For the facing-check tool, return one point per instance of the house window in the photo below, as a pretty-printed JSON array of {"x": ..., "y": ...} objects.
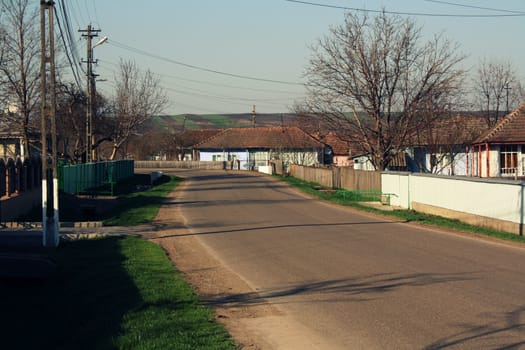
[
  {"x": 508, "y": 159},
  {"x": 216, "y": 158}
]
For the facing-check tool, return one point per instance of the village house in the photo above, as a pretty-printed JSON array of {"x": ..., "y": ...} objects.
[
  {"x": 439, "y": 148},
  {"x": 11, "y": 145},
  {"x": 251, "y": 148},
  {"x": 343, "y": 151},
  {"x": 500, "y": 151},
  {"x": 190, "y": 137}
]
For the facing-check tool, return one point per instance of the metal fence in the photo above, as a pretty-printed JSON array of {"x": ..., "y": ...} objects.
[{"x": 83, "y": 178}]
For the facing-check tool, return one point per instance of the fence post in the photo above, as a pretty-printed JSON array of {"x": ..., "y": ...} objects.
[
  {"x": 19, "y": 186},
  {"x": 522, "y": 203},
  {"x": 3, "y": 178},
  {"x": 10, "y": 172}
]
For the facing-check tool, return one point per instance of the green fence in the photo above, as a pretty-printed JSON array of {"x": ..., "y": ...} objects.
[{"x": 86, "y": 178}]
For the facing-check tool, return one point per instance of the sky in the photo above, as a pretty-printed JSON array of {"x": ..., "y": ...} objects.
[{"x": 225, "y": 56}]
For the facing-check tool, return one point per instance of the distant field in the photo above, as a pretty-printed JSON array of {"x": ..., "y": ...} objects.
[{"x": 218, "y": 121}]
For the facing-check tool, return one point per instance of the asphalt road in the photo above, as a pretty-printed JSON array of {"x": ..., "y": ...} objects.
[{"x": 361, "y": 281}]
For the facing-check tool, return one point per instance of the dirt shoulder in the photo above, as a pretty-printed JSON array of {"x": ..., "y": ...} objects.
[
  {"x": 217, "y": 285},
  {"x": 252, "y": 322}
]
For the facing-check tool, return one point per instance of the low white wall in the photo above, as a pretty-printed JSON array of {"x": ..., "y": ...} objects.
[
  {"x": 395, "y": 185},
  {"x": 488, "y": 198},
  {"x": 265, "y": 169}
]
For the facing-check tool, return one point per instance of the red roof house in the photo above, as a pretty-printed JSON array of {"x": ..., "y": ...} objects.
[
  {"x": 500, "y": 151},
  {"x": 254, "y": 147}
]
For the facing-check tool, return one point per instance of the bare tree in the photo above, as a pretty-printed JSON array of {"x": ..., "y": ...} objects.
[
  {"x": 71, "y": 116},
  {"x": 155, "y": 143},
  {"x": 437, "y": 146},
  {"x": 497, "y": 89},
  {"x": 20, "y": 71},
  {"x": 139, "y": 97},
  {"x": 372, "y": 80}
]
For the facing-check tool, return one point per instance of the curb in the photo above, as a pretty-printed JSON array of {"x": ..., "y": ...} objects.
[{"x": 38, "y": 225}]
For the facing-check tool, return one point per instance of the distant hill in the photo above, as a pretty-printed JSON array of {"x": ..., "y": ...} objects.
[
  {"x": 218, "y": 121},
  {"x": 244, "y": 120}
]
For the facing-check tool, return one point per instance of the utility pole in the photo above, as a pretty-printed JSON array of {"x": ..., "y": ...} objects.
[
  {"x": 90, "y": 34},
  {"x": 507, "y": 88},
  {"x": 50, "y": 220},
  {"x": 254, "y": 114}
]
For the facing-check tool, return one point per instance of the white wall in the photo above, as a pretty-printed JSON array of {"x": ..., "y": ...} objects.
[
  {"x": 459, "y": 166},
  {"x": 497, "y": 199},
  {"x": 363, "y": 163},
  {"x": 396, "y": 186},
  {"x": 300, "y": 157},
  {"x": 265, "y": 169},
  {"x": 242, "y": 156}
]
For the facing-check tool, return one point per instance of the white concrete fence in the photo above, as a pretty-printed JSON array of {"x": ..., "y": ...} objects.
[{"x": 493, "y": 203}]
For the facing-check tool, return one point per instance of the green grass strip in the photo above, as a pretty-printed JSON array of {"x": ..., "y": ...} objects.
[
  {"x": 347, "y": 198},
  {"x": 141, "y": 207},
  {"x": 109, "y": 293}
]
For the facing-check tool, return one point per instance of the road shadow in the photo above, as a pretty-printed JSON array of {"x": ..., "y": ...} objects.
[
  {"x": 228, "y": 202},
  {"x": 357, "y": 289},
  {"x": 264, "y": 228},
  {"x": 229, "y": 186},
  {"x": 221, "y": 176},
  {"x": 505, "y": 330}
]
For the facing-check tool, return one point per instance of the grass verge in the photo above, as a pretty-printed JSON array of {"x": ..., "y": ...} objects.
[
  {"x": 141, "y": 207},
  {"x": 131, "y": 207},
  {"x": 353, "y": 200},
  {"x": 109, "y": 293}
]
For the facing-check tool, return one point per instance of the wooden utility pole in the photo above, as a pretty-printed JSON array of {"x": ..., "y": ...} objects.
[
  {"x": 254, "y": 114},
  {"x": 90, "y": 34},
  {"x": 50, "y": 220},
  {"x": 507, "y": 88}
]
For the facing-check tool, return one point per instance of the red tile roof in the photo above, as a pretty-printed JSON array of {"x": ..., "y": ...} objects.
[
  {"x": 339, "y": 147},
  {"x": 192, "y": 137},
  {"x": 266, "y": 138},
  {"x": 459, "y": 129},
  {"x": 510, "y": 129}
]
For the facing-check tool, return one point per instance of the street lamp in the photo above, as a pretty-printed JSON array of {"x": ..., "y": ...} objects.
[{"x": 101, "y": 41}]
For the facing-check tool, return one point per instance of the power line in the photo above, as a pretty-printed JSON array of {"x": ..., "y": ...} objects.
[
  {"x": 244, "y": 88},
  {"x": 193, "y": 107},
  {"x": 222, "y": 97},
  {"x": 87, "y": 9},
  {"x": 71, "y": 36},
  {"x": 240, "y": 76},
  {"x": 217, "y": 99},
  {"x": 475, "y": 7},
  {"x": 95, "y": 9},
  {"x": 208, "y": 95},
  {"x": 226, "y": 85},
  {"x": 77, "y": 13},
  {"x": 520, "y": 14},
  {"x": 69, "y": 52}
]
